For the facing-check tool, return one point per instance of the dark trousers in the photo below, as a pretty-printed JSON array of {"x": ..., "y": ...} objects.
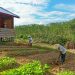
[
  {"x": 30, "y": 44},
  {"x": 62, "y": 56}
]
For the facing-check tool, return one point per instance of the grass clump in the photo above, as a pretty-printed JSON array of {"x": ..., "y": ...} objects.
[{"x": 66, "y": 73}]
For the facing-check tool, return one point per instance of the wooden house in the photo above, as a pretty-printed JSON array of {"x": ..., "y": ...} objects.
[{"x": 6, "y": 24}]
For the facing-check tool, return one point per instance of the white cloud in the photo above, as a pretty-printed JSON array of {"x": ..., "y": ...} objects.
[
  {"x": 55, "y": 16},
  {"x": 52, "y": 13},
  {"x": 36, "y": 2},
  {"x": 65, "y": 7},
  {"x": 27, "y": 9}
]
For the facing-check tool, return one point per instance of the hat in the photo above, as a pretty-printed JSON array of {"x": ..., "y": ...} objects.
[{"x": 57, "y": 45}]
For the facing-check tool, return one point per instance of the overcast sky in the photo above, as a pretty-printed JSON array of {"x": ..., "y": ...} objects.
[{"x": 40, "y": 11}]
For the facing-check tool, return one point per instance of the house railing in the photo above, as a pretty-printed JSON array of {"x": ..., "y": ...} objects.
[{"x": 5, "y": 32}]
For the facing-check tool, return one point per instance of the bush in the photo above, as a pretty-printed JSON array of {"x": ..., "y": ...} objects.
[
  {"x": 7, "y": 63},
  {"x": 34, "y": 68}
]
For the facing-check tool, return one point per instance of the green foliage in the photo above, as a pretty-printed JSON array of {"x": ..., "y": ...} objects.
[
  {"x": 66, "y": 73},
  {"x": 34, "y": 68},
  {"x": 51, "y": 33},
  {"x": 6, "y": 61}
]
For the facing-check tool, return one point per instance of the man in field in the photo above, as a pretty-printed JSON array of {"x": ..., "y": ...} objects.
[
  {"x": 30, "y": 40},
  {"x": 62, "y": 53}
]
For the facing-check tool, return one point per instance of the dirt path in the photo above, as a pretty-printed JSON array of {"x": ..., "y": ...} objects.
[{"x": 44, "y": 58}]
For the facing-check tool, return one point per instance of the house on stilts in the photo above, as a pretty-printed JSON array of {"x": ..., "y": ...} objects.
[{"x": 7, "y": 24}]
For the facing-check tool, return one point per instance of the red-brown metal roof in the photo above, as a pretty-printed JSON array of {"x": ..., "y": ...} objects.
[{"x": 4, "y": 11}]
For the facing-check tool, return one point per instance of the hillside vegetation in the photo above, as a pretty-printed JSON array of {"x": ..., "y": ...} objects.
[{"x": 51, "y": 33}]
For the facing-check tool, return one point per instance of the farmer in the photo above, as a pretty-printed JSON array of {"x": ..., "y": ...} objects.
[
  {"x": 30, "y": 40},
  {"x": 62, "y": 53}
]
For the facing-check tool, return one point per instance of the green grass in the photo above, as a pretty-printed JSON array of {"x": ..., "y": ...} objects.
[
  {"x": 35, "y": 49},
  {"x": 25, "y": 52},
  {"x": 66, "y": 73},
  {"x": 43, "y": 46}
]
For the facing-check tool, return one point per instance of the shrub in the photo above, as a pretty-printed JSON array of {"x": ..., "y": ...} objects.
[
  {"x": 7, "y": 62},
  {"x": 34, "y": 68}
]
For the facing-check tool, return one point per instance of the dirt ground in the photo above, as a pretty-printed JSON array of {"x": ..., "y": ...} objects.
[{"x": 49, "y": 58}]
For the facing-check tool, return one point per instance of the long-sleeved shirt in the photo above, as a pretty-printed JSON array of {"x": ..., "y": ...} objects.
[
  {"x": 62, "y": 49},
  {"x": 30, "y": 40}
]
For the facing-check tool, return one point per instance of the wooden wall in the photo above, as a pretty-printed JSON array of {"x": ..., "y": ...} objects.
[
  {"x": 9, "y": 23},
  {"x": 1, "y": 22}
]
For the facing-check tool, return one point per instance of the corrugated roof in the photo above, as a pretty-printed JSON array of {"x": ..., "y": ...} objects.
[{"x": 2, "y": 10}]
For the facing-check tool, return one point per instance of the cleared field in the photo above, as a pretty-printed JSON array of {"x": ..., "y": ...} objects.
[{"x": 44, "y": 53}]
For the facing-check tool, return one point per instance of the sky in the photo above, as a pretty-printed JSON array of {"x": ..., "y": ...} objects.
[{"x": 40, "y": 11}]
